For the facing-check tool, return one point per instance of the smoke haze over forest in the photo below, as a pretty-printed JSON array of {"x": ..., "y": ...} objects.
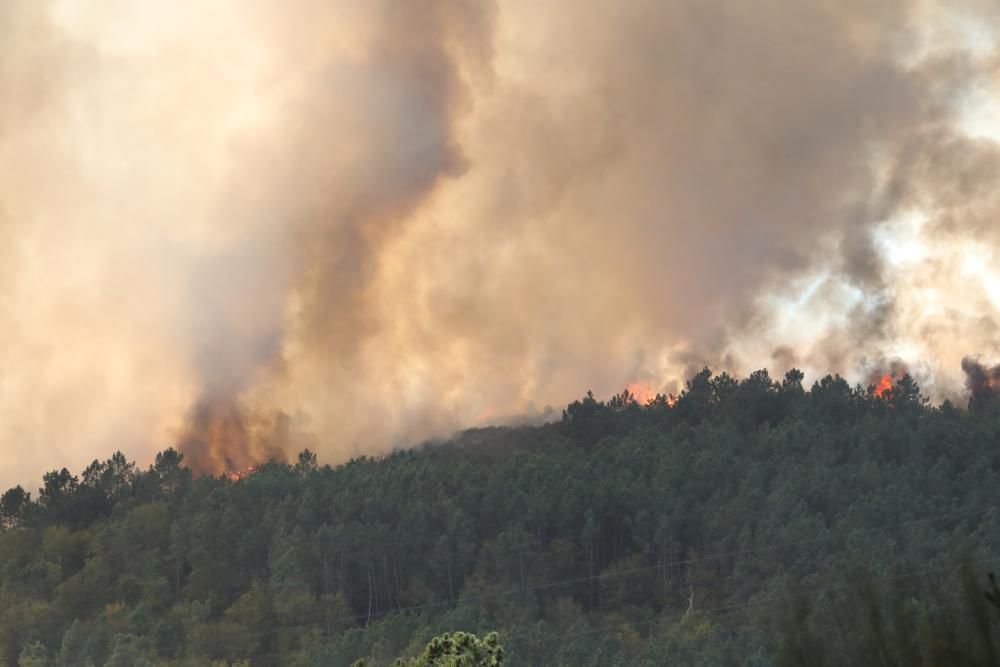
[{"x": 245, "y": 228}]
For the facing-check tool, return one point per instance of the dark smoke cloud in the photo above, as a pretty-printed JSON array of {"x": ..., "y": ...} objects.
[{"x": 983, "y": 382}]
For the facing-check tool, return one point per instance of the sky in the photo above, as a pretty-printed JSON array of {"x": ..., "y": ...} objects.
[{"x": 246, "y": 227}]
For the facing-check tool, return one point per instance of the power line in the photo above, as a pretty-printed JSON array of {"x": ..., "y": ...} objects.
[
  {"x": 772, "y": 599},
  {"x": 776, "y": 597},
  {"x": 622, "y": 573}
]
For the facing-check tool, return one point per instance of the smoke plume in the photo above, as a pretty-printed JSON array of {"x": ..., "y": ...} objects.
[
  {"x": 248, "y": 227},
  {"x": 983, "y": 382}
]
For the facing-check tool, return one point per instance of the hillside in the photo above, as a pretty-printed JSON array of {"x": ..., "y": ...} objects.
[{"x": 676, "y": 532}]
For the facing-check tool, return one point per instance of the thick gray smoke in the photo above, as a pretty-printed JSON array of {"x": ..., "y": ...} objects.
[
  {"x": 249, "y": 227},
  {"x": 361, "y": 144}
]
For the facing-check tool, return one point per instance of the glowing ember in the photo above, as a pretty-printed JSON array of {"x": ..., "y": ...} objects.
[
  {"x": 236, "y": 475},
  {"x": 884, "y": 386},
  {"x": 641, "y": 392}
]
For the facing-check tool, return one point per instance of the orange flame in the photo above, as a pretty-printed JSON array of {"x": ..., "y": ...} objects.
[
  {"x": 884, "y": 386},
  {"x": 644, "y": 394},
  {"x": 237, "y": 475},
  {"x": 483, "y": 416},
  {"x": 641, "y": 392}
]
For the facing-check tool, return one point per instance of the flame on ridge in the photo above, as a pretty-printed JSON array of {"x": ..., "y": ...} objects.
[
  {"x": 884, "y": 386},
  {"x": 236, "y": 475},
  {"x": 641, "y": 392}
]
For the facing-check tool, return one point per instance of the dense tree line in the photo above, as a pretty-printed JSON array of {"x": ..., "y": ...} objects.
[{"x": 676, "y": 532}]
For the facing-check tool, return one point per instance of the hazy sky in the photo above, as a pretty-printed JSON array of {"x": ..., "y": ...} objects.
[{"x": 258, "y": 226}]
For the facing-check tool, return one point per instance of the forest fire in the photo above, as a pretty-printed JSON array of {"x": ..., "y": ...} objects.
[
  {"x": 223, "y": 438},
  {"x": 884, "y": 387},
  {"x": 216, "y": 439},
  {"x": 641, "y": 392},
  {"x": 236, "y": 475}
]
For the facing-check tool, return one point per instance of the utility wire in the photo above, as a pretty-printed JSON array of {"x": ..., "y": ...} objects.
[
  {"x": 778, "y": 597},
  {"x": 771, "y": 600},
  {"x": 622, "y": 573}
]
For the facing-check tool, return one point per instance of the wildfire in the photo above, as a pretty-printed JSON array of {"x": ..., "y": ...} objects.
[
  {"x": 644, "y": 394},
  {"x": 641, "y": 392},
  {"x": 237, "y": 475},
  {"x": 483, "y": 416},
  {"x": 884, "y": 386}
]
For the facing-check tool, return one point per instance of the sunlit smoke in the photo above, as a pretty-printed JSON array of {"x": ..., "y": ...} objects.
[
  {"x": 641, "y": 392},
  {"x": 244, "y": 228}
]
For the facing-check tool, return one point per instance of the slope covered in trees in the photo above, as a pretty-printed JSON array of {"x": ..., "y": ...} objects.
[{"x": 684, "y": 532}]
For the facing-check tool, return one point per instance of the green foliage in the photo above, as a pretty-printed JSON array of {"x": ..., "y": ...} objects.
[
  {"x": 864, "y": 626},
  {"x": 624, "y": 534},
  {"x": 12, "y": 504},
  {"x": 459, "y": 649},
  {"x": 33, "y": 655}
]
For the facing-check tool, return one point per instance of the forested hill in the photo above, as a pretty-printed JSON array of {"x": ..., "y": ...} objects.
[{"x": 623, "y": 534}]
